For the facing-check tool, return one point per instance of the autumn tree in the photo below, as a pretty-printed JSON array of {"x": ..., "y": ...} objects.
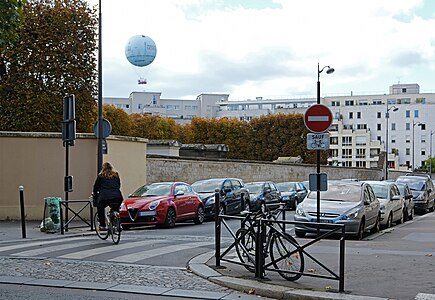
[
  {"x": 11, "y": 15},
  {"x": 54, "y": 55},
  {"x": 119, "y": 119},
  {"x": 153, "y": 127}
]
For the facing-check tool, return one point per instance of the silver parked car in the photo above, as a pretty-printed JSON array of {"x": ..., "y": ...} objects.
[
  {"x": 406, "y": 192},
  {"x": 345, "y": 202},
  {"x": 392, "y": 202}
]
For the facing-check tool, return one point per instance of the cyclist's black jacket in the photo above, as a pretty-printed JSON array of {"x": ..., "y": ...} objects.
[{"x": 108, "y": 189}]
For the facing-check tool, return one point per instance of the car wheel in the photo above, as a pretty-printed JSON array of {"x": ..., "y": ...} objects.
[
  {"x": 295, "y": 203},
  {"x": 376, "y": 228},
  {"x": 389, "y": 221},
  {"x": 360, "y": 234},
  {"x": 432, "y": 207},
  {"x": 247, "y": 207},
  {"x": 199, "y": 215},
  {"x": 300, "y": 234},
  {"x": 411, "y": 214},
  {"x": 222, "y": 210},
  {"x": 405, "y": 214},
  {"x": 170, "y": 218}
]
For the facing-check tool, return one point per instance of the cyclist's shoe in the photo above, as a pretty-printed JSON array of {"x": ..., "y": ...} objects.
[{"x": 102, "y": 228}]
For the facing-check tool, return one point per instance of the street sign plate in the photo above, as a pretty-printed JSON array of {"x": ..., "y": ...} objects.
[
  {"x": 323, "y": 178},
  {"x": 317, "y": 141},
  {"x": 318, "y": 118}
]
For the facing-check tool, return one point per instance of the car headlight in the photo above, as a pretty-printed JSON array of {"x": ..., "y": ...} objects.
[
  {"x": 353, "y": 214},
  {"x": 154, "y": 204},
  {"x": 300, "y": 211},
  {"x": 210, "y": 201},
  {"x": 285, "y": 198}
]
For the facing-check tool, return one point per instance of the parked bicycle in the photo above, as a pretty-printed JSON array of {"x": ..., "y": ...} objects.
[
  {"x": 281, "y": 248},
  {"x": 113, "y": 222}
]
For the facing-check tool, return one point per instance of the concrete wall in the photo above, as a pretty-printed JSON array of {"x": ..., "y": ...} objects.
[
  {"x": 36, "y": 161},
  {"x": 190, "y": 170}
]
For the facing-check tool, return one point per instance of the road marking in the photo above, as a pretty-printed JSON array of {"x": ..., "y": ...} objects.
[
  {"x": 39, "y": 251},
  {"x": 110, "y": 248},
  {"x": 39, "y": 243},
  {"x": 135, "y": 257}
]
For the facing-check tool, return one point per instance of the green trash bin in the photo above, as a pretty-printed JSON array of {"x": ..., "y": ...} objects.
[{"x": 51, "y": 222}]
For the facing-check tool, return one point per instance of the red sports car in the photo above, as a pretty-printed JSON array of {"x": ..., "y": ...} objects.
[{"x": 161, "y": 204}]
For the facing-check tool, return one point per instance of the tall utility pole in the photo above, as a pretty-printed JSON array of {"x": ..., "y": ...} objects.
[{"x": 100, "y": 93}]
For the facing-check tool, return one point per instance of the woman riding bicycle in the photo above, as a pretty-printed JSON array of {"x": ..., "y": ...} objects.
[{"x": 107, "y": 192}]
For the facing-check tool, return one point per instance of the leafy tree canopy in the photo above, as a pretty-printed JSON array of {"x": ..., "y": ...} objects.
[{"x": 54, "y": 55}]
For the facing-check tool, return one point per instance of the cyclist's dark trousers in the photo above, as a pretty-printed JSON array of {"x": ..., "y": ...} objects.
[{"x": 114, "y": 205}]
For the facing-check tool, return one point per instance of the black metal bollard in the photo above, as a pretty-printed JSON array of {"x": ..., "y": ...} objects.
[
  {"x": 217, "y": 228},
  {"x": 23, "y": 214}
]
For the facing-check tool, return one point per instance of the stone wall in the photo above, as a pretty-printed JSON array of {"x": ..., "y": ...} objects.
[{"x": 189, "y": 170}]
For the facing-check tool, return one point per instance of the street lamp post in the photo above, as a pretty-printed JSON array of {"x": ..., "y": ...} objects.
[
  {"x": 413, "y": 142},
  {"x": 100, "y": 93},
  {"x": 329, "y": 70},
  {"x": 387, "y": 116},
  {"x": 430, "y": 154}
]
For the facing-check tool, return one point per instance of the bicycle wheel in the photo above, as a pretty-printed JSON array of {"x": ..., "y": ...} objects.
[
  {"x": 101, "y": 234},
  {"x": 115, "y": 228},
  {"x": 245, "y": 247},
  {"x": 281, "y": 247}
]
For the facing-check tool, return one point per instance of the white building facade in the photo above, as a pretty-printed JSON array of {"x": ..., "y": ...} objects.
[{"x": 359, "y": 131}]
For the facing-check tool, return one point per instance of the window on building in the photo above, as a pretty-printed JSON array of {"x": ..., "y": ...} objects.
[
  {"x": 420, "y": 100},
  {"x": 350, "y": 115},
  {"x": 377, "y": 102},
  {"x": 335, "y": 103},
  {"x": 379, "y": 115},
  {"x": 423, "y": 151},
  {"x": 407, "y": 139},
  {"x": 423, "y": 138},
  {"x": 188, "y": 107},
  {"x": 349, "y": 102},
  {"x": 346, "y": 153},
  {"x": 408, "y": 151},
  {"x": 360, "y": 153},
  {"x": 358, "y": 115},
  {"x": 139, "y": 106},
  {"x": 361, "y": 126},
  {"x": 408, "y": 126},
  {"x": 393, "y": 126},
  {"x": 407, "y": 113},
  {"x": 361, "y": 140},
  {"x": 391, "y": 101},
  {"x": 416, "y": 113},
  {"x": 379, "y": 138},
  {"x": 360, "y": 164},
  {"x": 169, "y": 107},
  {"x": 334, "y": 152},
  {"x": 346, "y": 141},
  {"x": 154, "y": 100},
  {"x": 347, "y": 163},
  {"x": 379, "y": 126},
  {"x": 363, "y": 102},
  {"x": 423, "y": 126},
  {"x": 393, "y": 139},
  {"x": 333, "y": 140},
  {"x": 194, "y": 107},
  {"x": 404, "y": 90}
]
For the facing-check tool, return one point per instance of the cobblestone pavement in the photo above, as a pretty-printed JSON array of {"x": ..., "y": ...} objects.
[{"x": 105, "y": 272}]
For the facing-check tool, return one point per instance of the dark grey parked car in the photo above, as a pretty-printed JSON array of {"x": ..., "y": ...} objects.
[
  {"x": 353, "y": 204},
  {"x": 422, "y": 189},
  {"x": 406, "y": 192},
  {"x": 232, "y": 194},
  {"x": 262, "y": 194},
  {"x": 292, "y": 193}
]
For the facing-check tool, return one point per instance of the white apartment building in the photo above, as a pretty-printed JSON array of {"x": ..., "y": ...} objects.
[
  {"x": 358, "y": 133},
  {"x": 205, "y": 105}
]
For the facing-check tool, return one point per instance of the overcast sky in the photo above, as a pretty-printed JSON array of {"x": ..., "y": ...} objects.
[{"x": 269, "y": 48}]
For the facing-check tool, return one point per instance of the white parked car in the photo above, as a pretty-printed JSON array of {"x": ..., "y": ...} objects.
[{"x": 392, "y": 202}]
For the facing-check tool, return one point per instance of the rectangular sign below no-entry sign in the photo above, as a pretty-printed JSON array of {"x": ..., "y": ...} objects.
[{"x": 317, "y": 141}]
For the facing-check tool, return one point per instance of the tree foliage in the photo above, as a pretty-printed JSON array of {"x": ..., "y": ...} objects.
[
  {"x": 119, "y": 119},
  {"x": 153, "y": 127},
  {"x": 11, "y": 15},
  {"x": 54, "y": 55}
]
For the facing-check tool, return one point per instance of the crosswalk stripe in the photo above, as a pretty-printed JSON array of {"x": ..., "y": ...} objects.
[
  {"x": 39, "y": 251},
  {"x": 40, "y": 243},
  {"x": 109, "y": 248},
  {"x": 134, "y": 257}
]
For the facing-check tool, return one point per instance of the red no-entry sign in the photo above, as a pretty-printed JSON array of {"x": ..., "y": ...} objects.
[{"x": 318, "y": 118}]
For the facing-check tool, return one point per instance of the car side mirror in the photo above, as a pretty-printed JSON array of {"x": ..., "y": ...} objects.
[
  {"x": 179, "y": 193},
  {"x": 227, "y": 190}
]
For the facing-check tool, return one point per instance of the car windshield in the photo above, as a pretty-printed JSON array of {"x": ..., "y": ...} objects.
[
  {"x": 286, "y": 186},
  {"x": 253, "y": 188},
  {"x": 207, "y": 186},
  {"x": 401, "y": 188},
  {"x": 155, "y": 189},
  {"x": 413, "y": 183},
  {"x": 381, "y": 191},
  {"x": 341, "y": 192}
]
